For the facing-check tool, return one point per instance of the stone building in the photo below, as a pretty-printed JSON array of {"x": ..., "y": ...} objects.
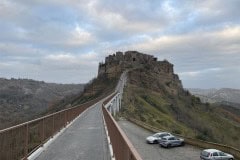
[{"x": 120, "y": 61}]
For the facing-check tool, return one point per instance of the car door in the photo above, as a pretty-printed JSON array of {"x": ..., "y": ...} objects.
[
  {"x": 173, "y": 141},
  {"x": 159, "y": 137},
  {"x": 223, "y": 156},
  {"x": 216, "y": 156},
  {"x": 177, "y": 141}
]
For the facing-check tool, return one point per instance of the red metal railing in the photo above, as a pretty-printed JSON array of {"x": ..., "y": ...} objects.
[
  {"x": 122, "y": 147},
  {"x": 19, "y": 141}
]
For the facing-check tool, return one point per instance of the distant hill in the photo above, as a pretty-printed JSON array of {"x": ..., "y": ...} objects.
[
  {"x": 23, "y": 99},
  {"x": 224, "y": 95}
]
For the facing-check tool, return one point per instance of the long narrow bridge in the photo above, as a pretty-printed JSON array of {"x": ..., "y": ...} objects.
[{"x": 89, "y": 132}]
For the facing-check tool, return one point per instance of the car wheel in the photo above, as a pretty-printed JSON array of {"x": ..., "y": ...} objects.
[
  {"x": 155, "y": 141},
  {"x": 169, "y": 145},
  {"x": 230, "y": 159},
  {"x": 182, "y": 144}
]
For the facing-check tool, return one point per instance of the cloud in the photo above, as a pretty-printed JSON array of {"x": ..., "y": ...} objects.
[
  {"x": 14, "y": 49},
  {"x": 126, "y": 18},
  {"x": 195, "y": 49},
  {"x": 69, "y": 38},
  {"x": 194, "y": 42},
  {"x": 212, "y": 78},
  {"x": 57, "y": 67},
  {"x": 69, "y": 61},
  {"x": 79, "y": 37},
  {"x": 200, "y": 72}
]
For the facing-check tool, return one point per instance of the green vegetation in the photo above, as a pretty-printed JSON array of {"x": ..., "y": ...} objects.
[
  {"x": 97, "y": 87},
  {"x": 154, "y": 100}
]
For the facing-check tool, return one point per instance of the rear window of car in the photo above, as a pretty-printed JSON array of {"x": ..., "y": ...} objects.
[
  {"x": 164, "y": 138},
  {"x": 205, "y": 154}
]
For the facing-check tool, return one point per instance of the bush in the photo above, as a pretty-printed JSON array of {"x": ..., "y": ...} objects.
[
  {"x": 158, "y": 121},
  {"x": 177, "y": 131},
  {"x": 201, "y": 137},
  {"x": 142, "y": 118}
]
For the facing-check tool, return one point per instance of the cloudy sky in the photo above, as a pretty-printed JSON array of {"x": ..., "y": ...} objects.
[{"x": 63, "y": 41}]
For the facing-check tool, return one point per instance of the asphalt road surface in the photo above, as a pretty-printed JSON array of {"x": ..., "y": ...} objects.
[
  {"x": 85, "y": 139},
  {"x": 138, "y": 135}
]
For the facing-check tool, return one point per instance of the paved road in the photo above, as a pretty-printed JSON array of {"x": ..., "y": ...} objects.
[
  {"x": 138, "y": 135},
  {"x": 85, "y": 139}
]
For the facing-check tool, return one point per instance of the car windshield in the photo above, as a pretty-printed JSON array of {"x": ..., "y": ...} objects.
[
  {"x": 205, "y": 154},
  {"x": 156, "y": 135},
  {"x": 162, "y": 135}
]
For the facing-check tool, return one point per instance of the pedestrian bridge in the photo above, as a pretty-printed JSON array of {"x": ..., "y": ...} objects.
[{"x": 87, "y": 131}]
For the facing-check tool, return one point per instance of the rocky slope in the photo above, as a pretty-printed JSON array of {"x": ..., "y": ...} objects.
[{"x": 23, "y": 99}]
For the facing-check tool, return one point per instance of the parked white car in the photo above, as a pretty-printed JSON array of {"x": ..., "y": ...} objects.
[
  {"x": 156, "y": 137},
  {"x": 214, "y": 154}
]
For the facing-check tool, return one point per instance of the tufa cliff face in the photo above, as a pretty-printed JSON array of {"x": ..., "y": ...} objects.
[{"x": 117, "y": 63}]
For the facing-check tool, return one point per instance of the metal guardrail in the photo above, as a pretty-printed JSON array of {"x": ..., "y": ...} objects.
[
  {"x": 192, "y": 141},
  {"x": 19, "y": 141},
  {"x": 122, "y": 147}
]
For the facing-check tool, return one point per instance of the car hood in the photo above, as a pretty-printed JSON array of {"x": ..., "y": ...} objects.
[
  {"x": 229, "y": 155},
  {"x": 150, "y": 138}
]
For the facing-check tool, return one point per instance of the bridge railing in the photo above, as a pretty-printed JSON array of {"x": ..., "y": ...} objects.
[
  {"x": 122, "y": 147},
  {"x": 192, "y": 141},
  {"x": 19, "y": 141}
]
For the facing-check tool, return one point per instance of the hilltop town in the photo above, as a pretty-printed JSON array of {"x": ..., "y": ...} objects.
[
  {"x": 120, "y": 61},
  {"x": 117, "y": 63}
]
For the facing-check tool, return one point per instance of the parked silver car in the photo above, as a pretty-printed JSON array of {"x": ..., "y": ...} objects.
[
  {"x": 213, "y": 154},
  {"x": 156, "y": 137},
  {"x": 171, "y": 141}
]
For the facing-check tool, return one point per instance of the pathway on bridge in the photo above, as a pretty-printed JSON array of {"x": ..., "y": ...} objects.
[
  {"x": 138, "y": 135},
  {"x": 85, "y": 139}
]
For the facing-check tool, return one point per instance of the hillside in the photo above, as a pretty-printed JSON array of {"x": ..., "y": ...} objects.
[
  {"x": 154, "y": 94},
  {"x": 217, "y": 95},
  {"x": 24, "y": 99},
  {"x": 100, "y": 86}
]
